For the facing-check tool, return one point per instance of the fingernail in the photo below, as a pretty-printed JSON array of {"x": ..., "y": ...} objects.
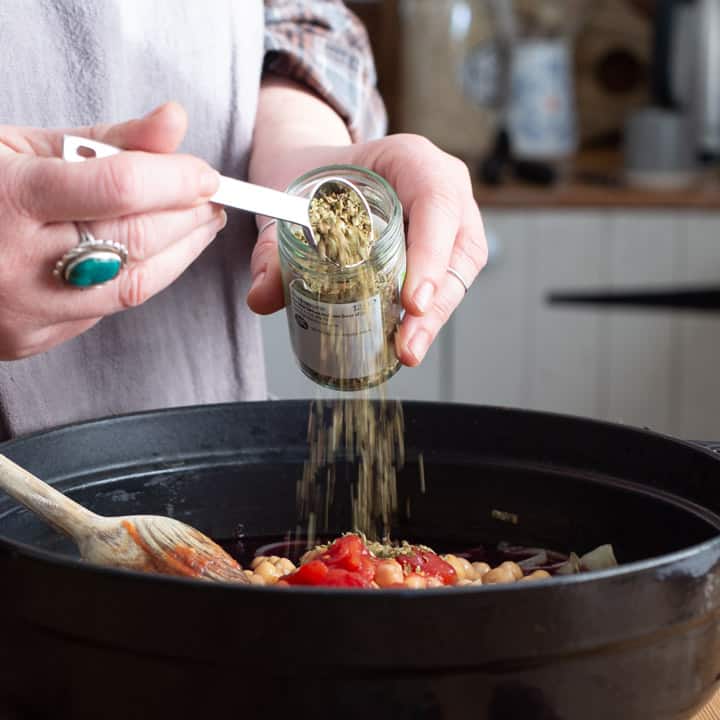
[
  {"x": 222, "y": 220},
  {"x": 419, "y": 344},
  {"x": 423, "y": 296},
  {"x": 257, "y": 281},
  {"x": 209, "y": 182}
]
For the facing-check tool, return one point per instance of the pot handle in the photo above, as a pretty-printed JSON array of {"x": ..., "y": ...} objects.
[{"x": 691, "y": 298}]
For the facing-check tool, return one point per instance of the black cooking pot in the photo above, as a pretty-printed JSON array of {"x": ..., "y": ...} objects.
[{"x": 639, "y": 641}]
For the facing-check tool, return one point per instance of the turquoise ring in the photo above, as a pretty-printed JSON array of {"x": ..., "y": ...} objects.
[{"x": 91, "y": 262}]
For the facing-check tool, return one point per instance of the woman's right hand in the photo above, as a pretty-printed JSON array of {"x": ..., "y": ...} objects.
[{"x": 153, "y": 202}]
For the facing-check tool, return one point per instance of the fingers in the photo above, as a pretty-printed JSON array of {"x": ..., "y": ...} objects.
[
  {"x": 137, "y": 282},
  {"x": 266, "y": 292},
  {"x": 416, "y": 334},
  {"x": 468, "y": 257},
  {"x": 148, "y": 234},
  {"x": 470, "y": 253},
  {"x": 130, "y": 183},
  {"x": 160, "y": 131},
  {"x": 437, "y": 194},
  {"x": 434, "y": 220},
  {"x": 141, "y": 281}
]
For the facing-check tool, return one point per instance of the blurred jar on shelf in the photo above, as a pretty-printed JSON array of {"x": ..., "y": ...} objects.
[{"x": 451, "y": 72}]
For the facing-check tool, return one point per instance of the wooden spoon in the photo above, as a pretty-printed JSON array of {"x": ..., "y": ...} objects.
[{"x": 148, "y": 543}]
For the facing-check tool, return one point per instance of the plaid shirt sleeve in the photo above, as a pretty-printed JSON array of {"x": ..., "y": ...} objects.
[{"x": 321, "y": 44}]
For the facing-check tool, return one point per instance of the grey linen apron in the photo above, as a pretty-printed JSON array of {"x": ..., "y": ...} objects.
[{"x": 65, "y": 63}]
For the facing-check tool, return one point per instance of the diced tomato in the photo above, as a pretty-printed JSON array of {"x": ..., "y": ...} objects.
[
  {"x": 428, "y": 564},
  {"x": 346, "y": 552},
  {"x": 345, "y": 578},
  {"x": 348, "y": 563},
  {"x": 311, "y": 573}
]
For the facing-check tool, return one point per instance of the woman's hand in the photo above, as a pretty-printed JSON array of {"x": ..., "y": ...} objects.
[
  {"x": 154, "y": 204},
  {"x": 444, "y": 230}
]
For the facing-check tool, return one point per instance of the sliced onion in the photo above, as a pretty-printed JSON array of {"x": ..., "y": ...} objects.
[
  {"x": 600, "y": 558},
  {"x": 534, "y": 561},
  {"x": 571, "y": 567}
]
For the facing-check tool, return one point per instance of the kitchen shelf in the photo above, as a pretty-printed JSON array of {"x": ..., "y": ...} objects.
[
  {"x": 605, "y": 191},
  {"x": 579, "y": 196}
]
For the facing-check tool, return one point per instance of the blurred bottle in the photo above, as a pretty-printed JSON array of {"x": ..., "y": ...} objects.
[{"x": 541, "y": 113}]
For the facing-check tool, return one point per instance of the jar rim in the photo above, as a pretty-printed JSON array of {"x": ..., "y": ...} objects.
[{"x": 385, "y": 240}]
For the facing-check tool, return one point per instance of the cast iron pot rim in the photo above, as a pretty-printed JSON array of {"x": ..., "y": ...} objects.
[{"x": 649, "y": 565}]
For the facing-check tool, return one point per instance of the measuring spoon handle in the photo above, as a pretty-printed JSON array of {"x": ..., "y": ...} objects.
[{"x": 231, "y": 192}]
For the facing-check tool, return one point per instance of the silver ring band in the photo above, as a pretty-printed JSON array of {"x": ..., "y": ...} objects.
[
  {"x": 91, "y": 262},
  {"x": 457, "y": 275},
  {"x": 265, "y": 226}
]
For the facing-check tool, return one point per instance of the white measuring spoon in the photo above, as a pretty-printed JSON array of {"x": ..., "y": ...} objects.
[{"x": 237, "y": 193}]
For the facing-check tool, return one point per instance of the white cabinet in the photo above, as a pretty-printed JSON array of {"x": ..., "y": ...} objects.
[
  {"x": 642, "y": 367},
  {"x": 507, "y": 346}
]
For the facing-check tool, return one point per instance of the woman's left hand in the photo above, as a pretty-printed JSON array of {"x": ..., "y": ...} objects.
[{"x": 444, "y": 231}]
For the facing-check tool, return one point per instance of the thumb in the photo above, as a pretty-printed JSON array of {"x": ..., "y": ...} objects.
[
  {"x": 266, "y": 292},
  {"x": 161, "y": 131}
]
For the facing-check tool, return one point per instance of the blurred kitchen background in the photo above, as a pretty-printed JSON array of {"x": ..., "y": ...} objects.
[{"x": 592, "y": 130}]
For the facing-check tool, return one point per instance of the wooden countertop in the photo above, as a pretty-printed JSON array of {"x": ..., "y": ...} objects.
[{"x": 595, "y": 181}]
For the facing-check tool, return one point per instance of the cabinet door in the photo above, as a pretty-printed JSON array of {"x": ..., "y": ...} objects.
[
  {"x": 510, "y": 348},
  {"x": 654, "y": 368},
  {"x": 696, "y": 388},
  {"x": 641, "y": 346}
]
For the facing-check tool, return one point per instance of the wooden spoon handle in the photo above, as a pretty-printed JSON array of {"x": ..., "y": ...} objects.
[{"x": 60, "y": 511}]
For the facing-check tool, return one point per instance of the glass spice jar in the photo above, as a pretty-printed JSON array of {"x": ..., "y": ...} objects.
[{"x": 343, "y": 321}]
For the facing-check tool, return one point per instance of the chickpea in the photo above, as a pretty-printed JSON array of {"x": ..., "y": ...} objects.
[
  {"x": 285, "y": 566},
  {"x": 481, "y": 568},
  {"x": 463, "y": 569},
  {"x": 248, "y": 573},
  {"x": 462, "y": 582},
  {"x": 268, "y": 572},
  {"x": 433, "y": 582},
  {"x": 310, "y": 555},
  {"x": 389, "y": 572},
  {"x": 415, "y": 581},
  {"x": 537, "y": 575},
  {"x": 257, "y": 580},
  {"x": 259, "y": 559},
  {"x": 513, "y": 568},
  {"x": 499, "y": 575}
]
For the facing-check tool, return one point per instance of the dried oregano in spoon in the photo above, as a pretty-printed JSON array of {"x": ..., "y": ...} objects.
[{"x": 342, "y": 227}]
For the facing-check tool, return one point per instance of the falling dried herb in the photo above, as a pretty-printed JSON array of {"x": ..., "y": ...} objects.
[{"x": 368, "y": 434}]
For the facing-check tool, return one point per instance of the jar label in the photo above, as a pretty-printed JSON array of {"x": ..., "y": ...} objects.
[{"x": 338, "y": 340}]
